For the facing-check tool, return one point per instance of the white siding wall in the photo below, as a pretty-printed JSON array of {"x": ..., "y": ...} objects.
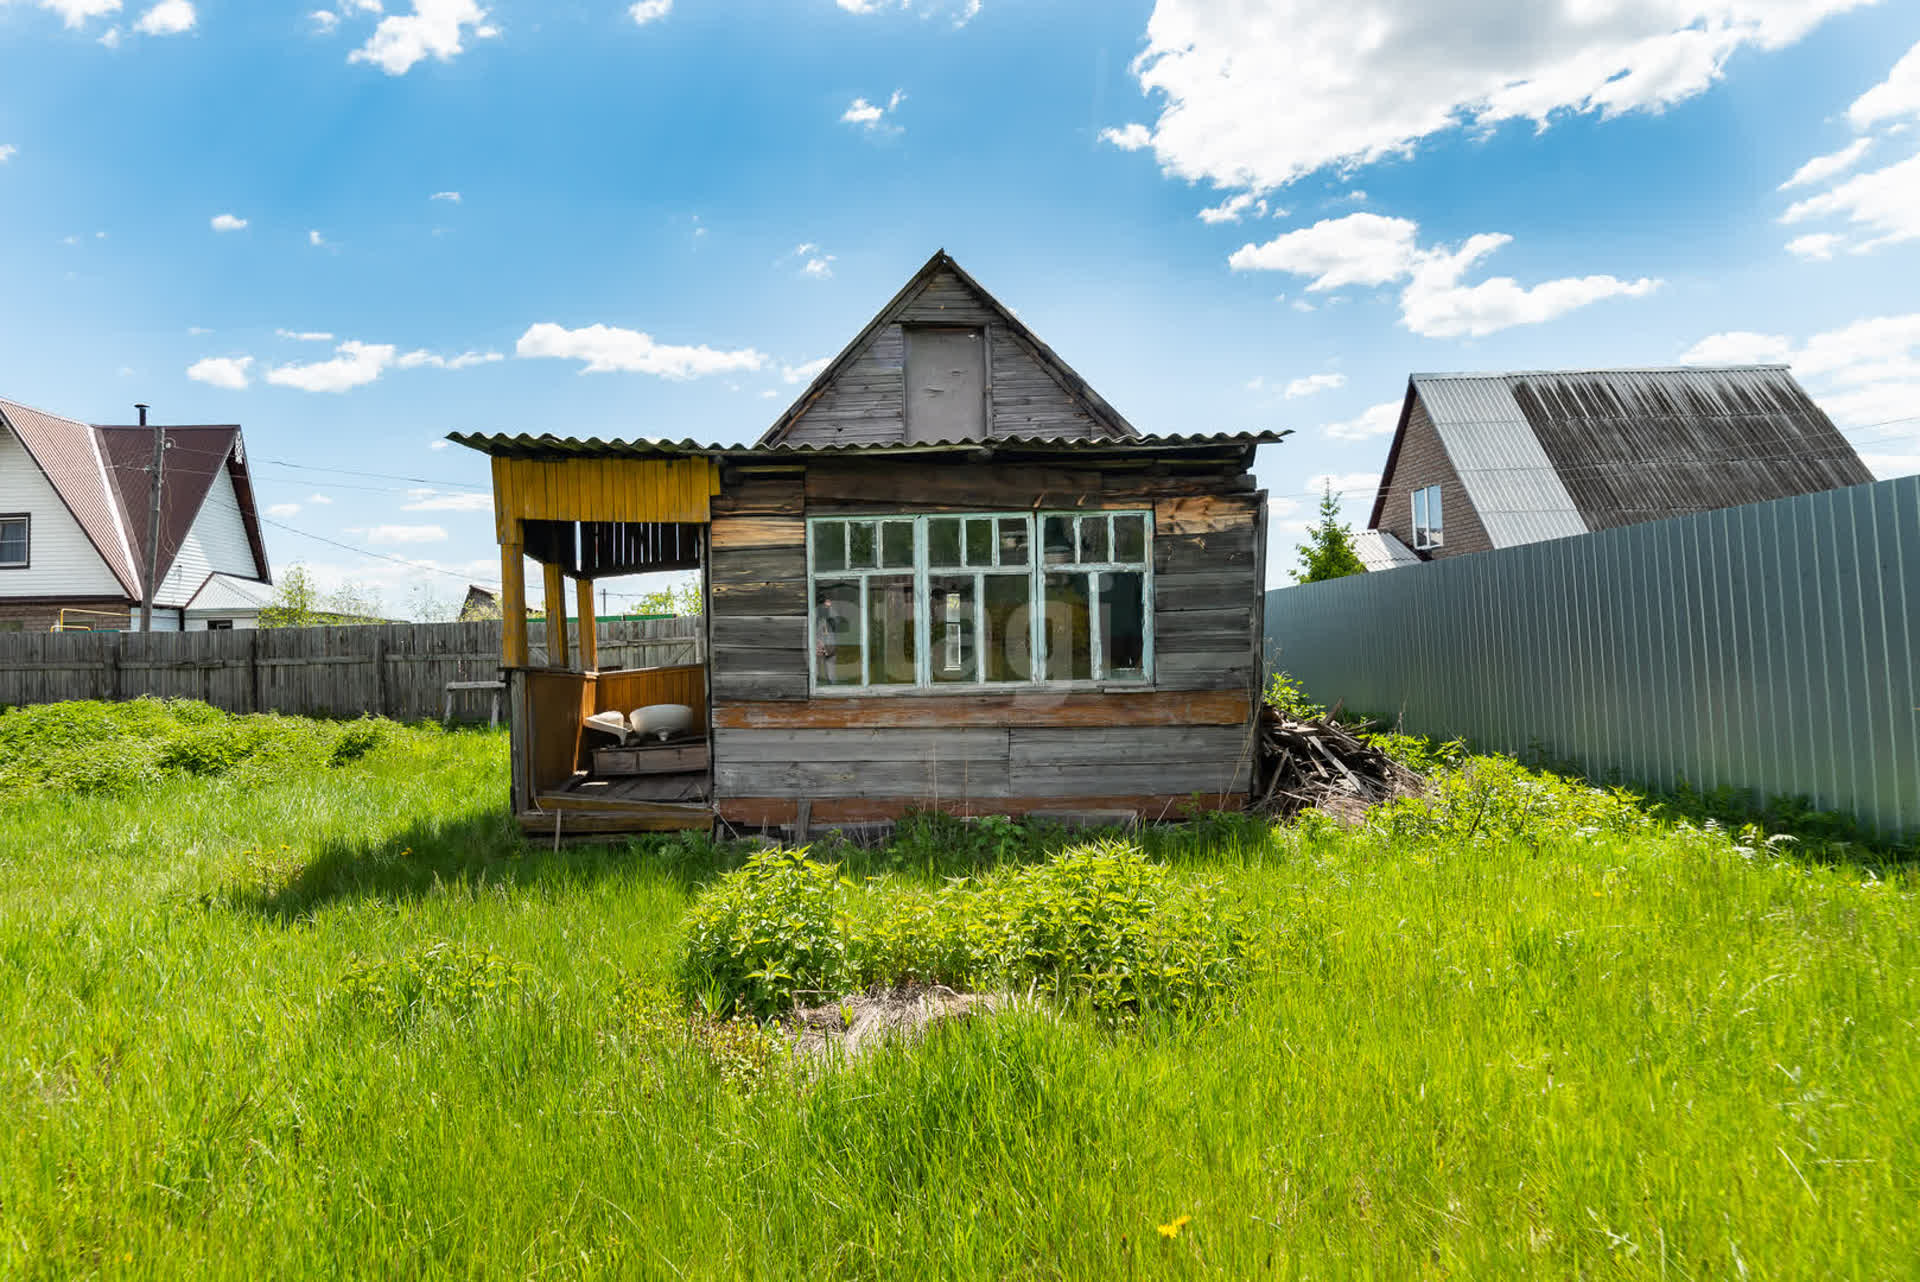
[
  {"x": 216, "y": 543},
  {"x": 64, "y": 561}
]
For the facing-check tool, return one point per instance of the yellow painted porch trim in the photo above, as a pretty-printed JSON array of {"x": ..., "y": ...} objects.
[{"x": 602, "y": 489}]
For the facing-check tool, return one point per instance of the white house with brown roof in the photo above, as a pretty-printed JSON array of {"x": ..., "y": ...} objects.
[{"x": 74, "y": 501}]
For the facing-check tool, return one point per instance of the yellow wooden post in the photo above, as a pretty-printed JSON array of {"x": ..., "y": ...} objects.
[
  {"x": 513, "y": 600},
  {"x": 556, "y": 616},
  {"x": 589, "y": 634}
]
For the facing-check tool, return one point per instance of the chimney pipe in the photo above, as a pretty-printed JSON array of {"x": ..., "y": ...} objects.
[{"x": 143, "y": 412}]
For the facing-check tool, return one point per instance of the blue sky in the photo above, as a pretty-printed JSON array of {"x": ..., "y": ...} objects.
[{"x": 351, "y": 227}]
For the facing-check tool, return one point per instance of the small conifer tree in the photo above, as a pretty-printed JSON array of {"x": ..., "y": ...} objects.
[{"x": 1328, "y": 552}]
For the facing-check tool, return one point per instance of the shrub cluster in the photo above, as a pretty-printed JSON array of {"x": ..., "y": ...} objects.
[
  {"x": 87, "y": 746},
  {"x": 445, "y": 979},
  {"x": 1100, "y": 923},
  {"x": 1490, "y": 800}
]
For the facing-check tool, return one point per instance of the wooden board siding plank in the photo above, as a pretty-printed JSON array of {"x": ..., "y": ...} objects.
[
  {"x": 920, "y": 485},
  {"x": 763, "y": 564},
  {"x": 784, "y": 635},
  {"x": 758, "y": 532},
  {"x": 760, "y": 597},
  {"x": 1038, "y": 708},
  {"x": 771, "y": 812},
  {"x": 1202, "y": 514}
]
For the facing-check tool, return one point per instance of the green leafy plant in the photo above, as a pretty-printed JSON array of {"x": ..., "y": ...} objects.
[
  {"x": 1289, "y": 698},
  {"x": 764, "y": 935},
  {"x": 444, "y": 978}
]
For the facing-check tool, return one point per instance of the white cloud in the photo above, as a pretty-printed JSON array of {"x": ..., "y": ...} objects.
[
  {"x": 1371, "y": 249},
  {"x": 1233, "y": 208},
  {"x": 74, "y": 13},
  {"x": 195, "y": 330},
  {"x": 1888, "y": 466},
  {"x": 168, "y": 18},
  {"x": 819, "y": 267},
  {"x": 1816, "y": 245},
  {"x": 1821, "y": 168},
  {"x": 1129, "y": 137},
  {"x": 962, "y": 11},
  {"x": 315, "y": 239},
  {"x": 1314, "y": 383},
  {"x": 8, "y": 151},
  {"x": 416, "y": 359},
  {"x": 1252, "y": 97},
  {"x": 1349, "y": 485},
  {"x": 439, "y": 443},
  {"x": 872, "y": 117},
  {"x": 605, "y": 348},
  {"x": 325, "y": 21},
  {"x": 1375, "y": 420},
  {"x": 320, "y": 499},
  {"x": 452, "y": 197},
  {"x": 401, "y": 533},
  {"x": 229, "y": 372},
  {"x": 431, "y": 500},
  {"x": 645, "y": 11},
  {"x": 110, "y": 38},
  {"x": 304, "y": 336},
  {"x": 227, "y": 222},
  {"x": 1896, "y": 96},
  {"x": 354, "y": 364},
  {"x": 283, "y": 510},
  {"x": 804, "y": 373},
  {"x": 1863, "y": 374},
  {"x": 435, "y": 29},
  {"x": 1884, "y": 202}
]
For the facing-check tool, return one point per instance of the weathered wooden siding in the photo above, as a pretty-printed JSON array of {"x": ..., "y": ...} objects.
[
  {"x": 1144, "y": 749},
  {"x": 866, "y": 402}
]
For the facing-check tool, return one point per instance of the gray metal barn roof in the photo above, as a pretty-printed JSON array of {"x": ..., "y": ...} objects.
[{"x": 1545, "y": 454}]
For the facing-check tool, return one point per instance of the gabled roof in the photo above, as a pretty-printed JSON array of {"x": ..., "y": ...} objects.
[
  {"x": 1380, "y": 550},
  {"x": 1548, "y": 453},
  {"x": 100, "y": 473},
  {"x": 1105, "y": 418},
  {"x": 547, "y": 446},
  {"x": 68, "y": 452},
  {"x": 227, "y": 592},
  {"x": 196, "y": 455}
]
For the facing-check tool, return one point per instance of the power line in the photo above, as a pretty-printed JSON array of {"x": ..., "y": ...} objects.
[
  {"x": 384, "y": 556},
  {"x": 378, "y": 476}
]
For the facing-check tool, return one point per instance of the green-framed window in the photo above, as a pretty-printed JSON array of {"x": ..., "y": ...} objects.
[{"x": 1002, "y": 599}]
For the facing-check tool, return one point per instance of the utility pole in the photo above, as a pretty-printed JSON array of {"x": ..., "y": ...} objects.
[{"x": 153, "y": 521}]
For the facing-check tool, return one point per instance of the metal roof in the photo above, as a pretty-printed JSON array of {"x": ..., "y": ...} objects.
[
  {"x": 526, "y": 445},
  {"x": 69, "y": 453},
  {"x": 226, "y": 592},
  {"x": 1545, "y": 454},
  {"x": 1379, "y": 550}
]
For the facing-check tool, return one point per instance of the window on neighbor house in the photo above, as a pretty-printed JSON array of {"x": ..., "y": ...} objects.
[
  {"x": 950, "y": 602},
  {"x": 14, "y": 542},
  {"x": 1426, "y": 518},
  {"x": 219, "y": 625}
]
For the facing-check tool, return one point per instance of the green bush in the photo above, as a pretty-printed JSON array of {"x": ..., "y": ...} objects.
[
  {"x": 1490, "y": 800},
  {"x": 1099, "y": 923},
  {"x": 447, "y": 979}
]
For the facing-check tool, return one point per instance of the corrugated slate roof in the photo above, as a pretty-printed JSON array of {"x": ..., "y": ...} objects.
[
  {"x": 1548, "y": 453},
  {"x": 225, "y": 592},
  {"x": 1379, "y": 550},
  {"x": 526, "y": 445},
  {"x": 68, "y": 452}
]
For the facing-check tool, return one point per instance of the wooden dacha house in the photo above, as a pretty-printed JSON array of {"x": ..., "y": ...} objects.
[{"x": 950, "y": 576}]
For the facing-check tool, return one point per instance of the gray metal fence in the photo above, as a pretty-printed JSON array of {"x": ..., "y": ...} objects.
[
  {"x": 395, "y": 670},
  {"x": 1769, "y": 648}
]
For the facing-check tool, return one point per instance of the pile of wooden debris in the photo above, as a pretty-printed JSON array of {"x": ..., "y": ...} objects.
[{"x": 1325, "y": 765}]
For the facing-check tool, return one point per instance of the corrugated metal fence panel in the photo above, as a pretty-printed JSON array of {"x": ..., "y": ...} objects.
[
  {"x": 397, "y": 670},
  {"x": 1769, "y": 648}
]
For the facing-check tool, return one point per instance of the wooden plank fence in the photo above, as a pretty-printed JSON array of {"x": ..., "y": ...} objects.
[{"x": 394, "y": 670}]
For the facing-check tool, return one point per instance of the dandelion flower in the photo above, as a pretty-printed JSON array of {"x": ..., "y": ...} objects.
[{"x": 1173, "y": 1229}]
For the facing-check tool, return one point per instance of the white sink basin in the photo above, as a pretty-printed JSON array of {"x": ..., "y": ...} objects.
[{"x": 661, "y": 719}]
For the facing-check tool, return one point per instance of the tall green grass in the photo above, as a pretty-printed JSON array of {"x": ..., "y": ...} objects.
[{"x": 339, "y": 1020}]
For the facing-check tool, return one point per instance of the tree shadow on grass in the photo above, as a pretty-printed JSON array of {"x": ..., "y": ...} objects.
[{"x": 478, "y": 849}]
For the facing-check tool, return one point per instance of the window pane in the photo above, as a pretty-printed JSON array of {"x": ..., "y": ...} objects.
[
  {"x": 1059, "y": 540},
  {"x": 980, "y": 541},
  {"x": 943, "y": 540},
  {"x": 829, "y": 545},
  {"x": 1419, "y": 513},
  {"x": 950, "y": 631},
  {"x": 1123, "y": 625},
  {"x": 1093, "y": 539},
  {"x": 860, "y": 545},
  {"x": 1013, "y": 540},
  {"x": 1066, "y": 631},
  {"x": 13, "y": 542},
  {"x": 1433, "y": 515},
  {"x": 890, "y": 653},
  {"x": 1130, "y": 537},
  {"x": 1009, "y": 610},
  {"x": 836, "y": 633},
  {"x": 896, "y": 551}
]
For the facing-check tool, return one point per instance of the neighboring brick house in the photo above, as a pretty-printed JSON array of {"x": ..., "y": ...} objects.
[
  {"x": 73, "y": 526},
  {"x": 1484, "y": 461}
]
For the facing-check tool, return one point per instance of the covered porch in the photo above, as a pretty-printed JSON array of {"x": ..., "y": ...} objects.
[{"x": 584, "y": 520}]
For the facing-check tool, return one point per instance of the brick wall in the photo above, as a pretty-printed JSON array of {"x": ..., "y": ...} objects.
[
  {"x": 1423, "y": 462},
  {"x": 42, "y": 616}
]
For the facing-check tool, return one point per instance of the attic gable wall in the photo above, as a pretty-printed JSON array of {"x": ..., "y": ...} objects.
[{"x": 866, "y": 403}]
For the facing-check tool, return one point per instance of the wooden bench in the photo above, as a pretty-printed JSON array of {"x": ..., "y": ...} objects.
[{"x": 497, "y": 687}]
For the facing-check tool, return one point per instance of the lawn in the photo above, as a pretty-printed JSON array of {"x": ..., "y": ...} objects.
[{"x": 328, "y": 1015}]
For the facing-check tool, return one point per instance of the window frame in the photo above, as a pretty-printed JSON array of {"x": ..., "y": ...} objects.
[
  {"x": 1036, "y": 571},
  {"x": 25, "y": 519},
  {"x": 1427, "y": 533}
]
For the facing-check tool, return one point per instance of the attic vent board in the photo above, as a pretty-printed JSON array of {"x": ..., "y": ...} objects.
[{"x": 946, "y": 383}]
